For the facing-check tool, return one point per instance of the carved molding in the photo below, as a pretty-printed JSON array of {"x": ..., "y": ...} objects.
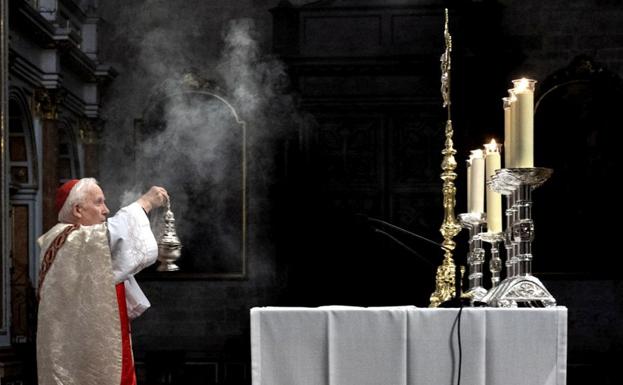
[
  {"x": 46, "y": 103},
  {"x": 89, "y": 131}
]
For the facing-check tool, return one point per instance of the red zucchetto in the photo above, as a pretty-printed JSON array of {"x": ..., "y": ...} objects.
[{"x": 63, "y": 192}]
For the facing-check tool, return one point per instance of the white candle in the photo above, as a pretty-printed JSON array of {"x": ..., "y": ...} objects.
[
  {"x": 507, "y": 102},
  {"x": 469, "y": 184},
  {"x": 494, "y": 199},
  {"x": 522, "y": 129},
  {"x": 511, "y": 139},
  {"x": 477, "y": 182}
]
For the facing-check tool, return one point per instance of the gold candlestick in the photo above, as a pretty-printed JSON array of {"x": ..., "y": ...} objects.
[{"x": 445, "y": 278}]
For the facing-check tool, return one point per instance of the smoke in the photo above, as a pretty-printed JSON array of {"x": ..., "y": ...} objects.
[
  {"x": 201, "y": 135},
  {"x": 192, "y": 142},
  {"x": 130, "y": 196},
  {"x": 258, "y": 83}
]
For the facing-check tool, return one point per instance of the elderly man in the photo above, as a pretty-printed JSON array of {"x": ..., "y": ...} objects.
[{"x": 87, "y": 290}]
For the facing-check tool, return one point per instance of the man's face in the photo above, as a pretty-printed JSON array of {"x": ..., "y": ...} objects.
[{"x": 93, "y": 210}]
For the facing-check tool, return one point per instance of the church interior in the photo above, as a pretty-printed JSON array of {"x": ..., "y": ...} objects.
[{"x": 288, "y": 133}]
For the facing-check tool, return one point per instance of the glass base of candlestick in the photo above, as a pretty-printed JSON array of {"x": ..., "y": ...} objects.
[
  {"x": 520, "y": 291},
  {"x": 476, "y": 294},
  {"x": 474, "y": 222}
]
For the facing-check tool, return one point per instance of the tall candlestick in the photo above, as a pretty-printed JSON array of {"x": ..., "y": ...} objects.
[
  {"x": 477, "y": 182},
  {"x": 507, "y": 102},
  {"x": 494, "y": 199},
  {"x": 522, "y": 129}
]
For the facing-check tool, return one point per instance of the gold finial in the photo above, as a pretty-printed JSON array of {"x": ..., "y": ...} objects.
[
  {"x": 445, "y": 277},
  {"x": 446, "y": 65}
]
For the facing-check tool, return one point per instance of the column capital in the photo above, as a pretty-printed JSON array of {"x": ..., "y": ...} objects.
[
  {"x": 90, "y": 130},
  {"x": 46, "y": 103}
]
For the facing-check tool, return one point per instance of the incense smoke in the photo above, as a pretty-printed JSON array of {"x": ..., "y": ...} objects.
[{"x": 192, "y": 142}]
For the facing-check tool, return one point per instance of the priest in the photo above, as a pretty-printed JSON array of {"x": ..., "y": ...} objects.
[{"x": 87, "y": 291}]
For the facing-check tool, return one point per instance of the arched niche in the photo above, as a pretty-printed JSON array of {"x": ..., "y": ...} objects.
[
  {"x": 578, "y": 134},
  {"x": 191, "y": 140},
  {"x": 25, "y": 223},
  {"x": 23, "y": 164}
]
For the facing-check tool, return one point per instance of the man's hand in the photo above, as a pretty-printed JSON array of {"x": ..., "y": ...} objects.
[{"x": 155, "y": 197}]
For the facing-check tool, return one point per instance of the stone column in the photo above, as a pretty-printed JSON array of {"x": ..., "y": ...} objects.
[
  {"x": 89, "y": 134},
  {"x": 46, "y": 108}
]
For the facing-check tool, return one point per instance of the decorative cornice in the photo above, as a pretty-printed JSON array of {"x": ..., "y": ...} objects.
[
  {"x": 582, "y": 67},
  {"x": 22, "y": 14},
  {"x": 24, "y": 69},
  {"x": 74, "y": 8},
  {"x": 75, "y": 104},
  {"x": 105, "y": 73},
  {"x": 81, "y": 64},
  {"x": 65, "y": 39}
]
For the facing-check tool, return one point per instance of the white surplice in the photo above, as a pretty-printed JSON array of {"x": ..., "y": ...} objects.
[{"x": 133, "y": 248}]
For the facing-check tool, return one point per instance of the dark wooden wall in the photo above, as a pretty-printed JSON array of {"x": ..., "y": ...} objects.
[
  {"x": 366, "y": 143},
  {"x": 369, "y": 76}
]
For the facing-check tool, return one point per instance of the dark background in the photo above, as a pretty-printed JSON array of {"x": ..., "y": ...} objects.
[
  {"x": 365, "y": 76},
  {"x": 345, "y": 123}
]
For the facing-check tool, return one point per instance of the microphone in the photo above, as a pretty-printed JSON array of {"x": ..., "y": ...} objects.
[
  {"x": 457, "y": 300},
  {"x": 404, "y": 246},
  {"x": 375, "y": 220}
]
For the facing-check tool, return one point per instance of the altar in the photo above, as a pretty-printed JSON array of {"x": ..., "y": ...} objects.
[{"x": 406, "y": 345}]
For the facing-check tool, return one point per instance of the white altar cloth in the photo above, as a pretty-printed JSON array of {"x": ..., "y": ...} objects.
[{"x": 340, "y": 345}]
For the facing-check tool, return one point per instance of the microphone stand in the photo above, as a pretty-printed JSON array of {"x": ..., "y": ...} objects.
[
  {"x": 404, "y": 246},
  {"x": 456, "y": 300},
  {"x": 385, "y": 223}
]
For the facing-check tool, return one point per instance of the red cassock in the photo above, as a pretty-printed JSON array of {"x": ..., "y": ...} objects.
[{"x": 128, "y": 374}]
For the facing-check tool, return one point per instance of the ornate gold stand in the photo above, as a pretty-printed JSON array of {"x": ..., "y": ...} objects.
[{"x": 445, "y": 285}]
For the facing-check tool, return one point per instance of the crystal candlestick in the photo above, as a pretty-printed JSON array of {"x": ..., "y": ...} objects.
[
  {"x": 474, "y": 223},
  {"x": 522, "y": 288}
]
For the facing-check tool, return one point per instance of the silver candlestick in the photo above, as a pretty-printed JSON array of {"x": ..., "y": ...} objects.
[
  {"x": 520, "y": 288},
  {"x": 169, "y": 245},
  {"x": 495, "y": 263},
  {"x": 474, "y": 223},
  {"x": 509, "y": 245}
]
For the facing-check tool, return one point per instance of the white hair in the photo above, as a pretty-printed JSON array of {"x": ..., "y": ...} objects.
[{"x": 77, "y": 195}]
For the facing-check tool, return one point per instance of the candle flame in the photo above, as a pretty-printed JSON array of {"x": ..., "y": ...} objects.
[
  {"x": 508, "y": 100},
  {"x": 523, "y": 85},
  {"x": 476, "y": 154},
  {"x": 491, "y": 146}
]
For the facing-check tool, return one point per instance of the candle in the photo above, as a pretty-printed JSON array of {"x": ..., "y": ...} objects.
[
  {"x": 477, "y": 182},
  {"x": 522, "y": 126},
  {"x": 507, "y": 102},
  {"x": 511, "y": 141},
  {"x": 469, "y": 184},
  {"x": 494, "y": 199}
]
